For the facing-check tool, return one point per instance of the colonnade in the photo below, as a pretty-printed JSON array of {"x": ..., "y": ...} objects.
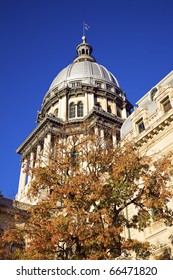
[{"x": 41, "y": 154}]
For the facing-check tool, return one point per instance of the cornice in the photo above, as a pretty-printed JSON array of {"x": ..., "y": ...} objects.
[
  {"x": 155, "y": 129},
  {"x": 44, "y": 126},
  {"x": 53, "y": 124}
]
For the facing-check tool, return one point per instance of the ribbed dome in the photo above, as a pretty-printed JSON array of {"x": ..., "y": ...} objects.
[{"x": 85, "y": 72}]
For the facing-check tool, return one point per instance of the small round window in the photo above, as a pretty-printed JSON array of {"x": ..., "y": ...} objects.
[{"x": 56, "y": 112}]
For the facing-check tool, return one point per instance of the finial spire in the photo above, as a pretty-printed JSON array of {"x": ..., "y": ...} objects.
[
  {"x": 84, "y": 39},
  {"x": 84, "y": 50}
]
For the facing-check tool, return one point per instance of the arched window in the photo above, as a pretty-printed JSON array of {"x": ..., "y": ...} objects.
[
  {"x": 72, "y": 110},
  {"x": 80, "y": 109}
]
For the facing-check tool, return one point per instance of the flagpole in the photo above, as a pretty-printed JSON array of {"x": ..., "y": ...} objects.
[{"x": 83, "y": 28}]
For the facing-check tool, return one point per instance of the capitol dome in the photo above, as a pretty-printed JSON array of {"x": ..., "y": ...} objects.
[
  {"x": 85, "y": 71},
  {"x": 83, "y": 84}
]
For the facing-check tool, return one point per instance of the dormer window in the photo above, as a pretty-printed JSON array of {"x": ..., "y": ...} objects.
[
  {"x": 140, "y": 125},
  {"x": 166, "y": 104},
  {"x": 75, "y": 84}
]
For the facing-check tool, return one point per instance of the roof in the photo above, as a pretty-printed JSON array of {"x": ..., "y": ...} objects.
[{"x": 86, "y": 72}]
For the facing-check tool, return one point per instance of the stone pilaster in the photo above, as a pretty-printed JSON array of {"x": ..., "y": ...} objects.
[{"x": 114, "y": 108}]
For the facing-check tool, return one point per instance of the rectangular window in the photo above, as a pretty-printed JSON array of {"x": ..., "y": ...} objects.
[
  {"x": 72, "y": 110},
  {"x": 75, "y": 84},
  {"x": 78, "y": 84},
  {"x": 166, "y": 104},
  {"x": 80, "y": 109},
  {"x": 140, "y": 125}
]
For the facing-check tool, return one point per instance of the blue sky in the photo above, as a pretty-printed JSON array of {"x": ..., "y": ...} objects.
[{"x": 132, "y": 39}]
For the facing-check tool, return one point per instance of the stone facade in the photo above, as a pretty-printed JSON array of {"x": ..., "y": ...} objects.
[{"x": 151, "y": 126}]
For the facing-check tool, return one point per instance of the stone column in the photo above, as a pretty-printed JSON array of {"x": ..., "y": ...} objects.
[
  {"x": 102, "y": 136},
  {"x": 38, "y": 155},
  {"x": 114, "y": 139},
  {"x": 102, "y": 133},
  {"x": 23, "y": 177},
  {"x": 46, "y": 149},
  {"x": 31, "y": 166},
  {"x": 124, "y": 112},
  {"x": 96, "y": 130},
  {"x": 64, "y": 106}
]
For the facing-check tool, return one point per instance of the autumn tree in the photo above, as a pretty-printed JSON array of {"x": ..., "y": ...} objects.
[{"x": 84, "y": 188}]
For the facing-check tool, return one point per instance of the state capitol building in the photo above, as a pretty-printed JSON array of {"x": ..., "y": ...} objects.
[{"x": 86, "y": 90}]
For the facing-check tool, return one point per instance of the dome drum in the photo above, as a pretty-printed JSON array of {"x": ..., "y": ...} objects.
[{"x": 80, "y": 93}]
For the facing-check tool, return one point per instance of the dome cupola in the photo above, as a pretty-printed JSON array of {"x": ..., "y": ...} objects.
[
  {"x": 84, "y": 51},
  {"x": 85, "y": 69}
]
